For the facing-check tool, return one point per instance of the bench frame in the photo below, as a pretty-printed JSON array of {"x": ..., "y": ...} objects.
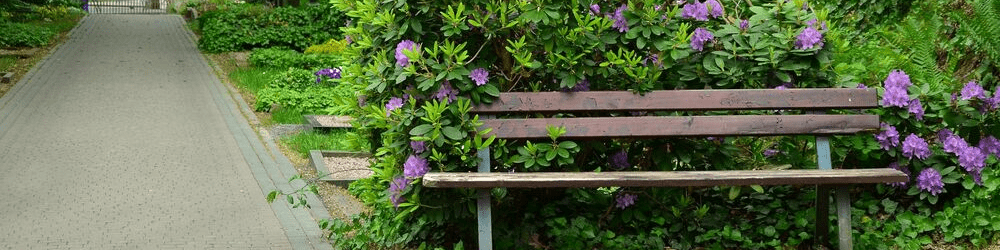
[{"x": 680, "y": 100}]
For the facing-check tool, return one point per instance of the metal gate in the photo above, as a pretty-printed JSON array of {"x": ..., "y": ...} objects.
[{"x": 128, "y": 6}]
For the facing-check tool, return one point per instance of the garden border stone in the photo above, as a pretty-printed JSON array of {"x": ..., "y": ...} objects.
[{"x": 5, "y": 77}]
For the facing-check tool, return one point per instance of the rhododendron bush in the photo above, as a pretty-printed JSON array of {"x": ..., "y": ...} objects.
[{"x": 424, "y": 64}]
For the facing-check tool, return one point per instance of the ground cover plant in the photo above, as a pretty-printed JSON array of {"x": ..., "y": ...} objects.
[
  {"x": 421, "y": 65},
  {"x": 239, "y": 27}
]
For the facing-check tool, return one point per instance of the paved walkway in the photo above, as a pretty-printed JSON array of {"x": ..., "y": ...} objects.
[{"x": 124, "y": 138}]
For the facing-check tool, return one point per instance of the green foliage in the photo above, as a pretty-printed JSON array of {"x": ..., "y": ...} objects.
[
  {"x": 254, "y": 79},
  {"x": 983, "y": 26},
  {"x": 281, "y": 58},
  {"x": 238, "y": 27},
  {"x": 866, "y": 14},
  {"x": 307, "y": 141},
  {"x": 24, "y": 35},
  {"x": 333, "y": 46}
]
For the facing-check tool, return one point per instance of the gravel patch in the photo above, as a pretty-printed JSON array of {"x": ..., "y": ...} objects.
[
  {"x": 285, "y": 130},
  {"x": 347, "y": 167},
  {"x": 333, "y": 121}
]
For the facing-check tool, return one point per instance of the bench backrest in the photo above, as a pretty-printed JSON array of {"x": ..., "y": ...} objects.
[{"x": 814, "y": 123}]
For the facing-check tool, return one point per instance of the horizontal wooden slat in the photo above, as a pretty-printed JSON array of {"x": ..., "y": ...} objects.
[
  {"x": 739, "y": 99},
  {"x": 659, "y": 126},
  {"x": 662, "y": 178}
]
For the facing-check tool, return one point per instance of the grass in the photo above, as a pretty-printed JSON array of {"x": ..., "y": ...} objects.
[
  {"x": 253, "y": 79},
  {"x": 287, "y": 116},
  {"x": 6, "y": 62},
  {"x": 309, "y": 140},
  {"x": 60, "y": 25}
]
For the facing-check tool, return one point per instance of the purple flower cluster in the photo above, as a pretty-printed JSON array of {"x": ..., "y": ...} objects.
[
  {"x": 394, "y": 103},
  {"x": 405, "y": 45},
  {"x": 446, "y": 93},
  {"x": 913, "y": 145},
  {"x": 695, "y": 10},
  {"x": 418, "y": 146},
  {"x": 862, "y": 86},
  {"x": 714, "y": 8},
  {"x": 916, "y": 109},
  {"x": 744, "y": 24},
  {"x": 973, "y": 90},
  {"x": 624, "y": 200},
  {"x": 700, "y": 37},
  {"x": 582, "y": 85},
  {"x": 990, "y": 145},
  {"x": 930, "y": 180},
  {"x": 809, "y": 38},
  {"x": 619, "y": 160},
  {"x": 888, "y": 138},
  {"x": 480, "y": 76},
  {"x": 396, "y": 188},
  {"x": 619, "y": 17},
  {"x": 895, "y": 89},
  {"x": 972, "y": 159},
  {"x": 415, "y": 167},
  {"x": 903, "y": 169},
  {"x": 595, "y": 9},
  {"x": 333, "y": 73},
  {"x": 771, "y": 152}
]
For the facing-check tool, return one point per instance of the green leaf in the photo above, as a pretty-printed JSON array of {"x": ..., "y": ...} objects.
[
  {"x": 734, "y": 192},
  {"x": 290, "y": 199},
  {"x": 757, "y": 188},
  {"x": 491, "y": 90},
  {"x": 453, "y": 133},
  {"x": 421, "y": 129},
  {"x": 272, "y": 195},
  {"x": 567, "y": 145}
]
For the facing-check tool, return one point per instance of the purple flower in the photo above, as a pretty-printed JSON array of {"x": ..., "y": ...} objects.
[
  {"x": 480, "y": 75},
  {"x": 990, "y": 145},
  {"x": 595, "y": 9},
  {"x": 771, "y": 152},
  {"x": 582, "y": 85},
  {"x": 333, "y": 73},
  {"x": 903, "y": 169},
  {"x": 811, "y": 22},
  {"x": 943, "y": 135},
  {"x": 619, "y": 18},
  {"x": 888, "y": 138},
  {"x": 993, "y": 102},
  {"x": 895, "y": 89},
  {"x": 396, "y": 188},
  {"x": 348, "y": 39},
  {"x": 415, "y": 167},
  {"x": 916, "y": 109},
  {"x": 696, "y": 10},
  {"x": 913, "y": 145},
  {"x": 744, "y": 24},
  {"x": 624, "y": 200},
  {"x": 405, "y": 45},
  {"x": 862, "y": 86},
  {"x": 619, "y": 160},
  {"x": 973, "y": 90},
  {"x": 714, "y": 8},
  {"x": 418, "y": 146},
  {"x": 700, "y": 37},
  {"x": 809, "y": 38},
  {"x": 954, "y": 144},
  {"x": 972, "y": 159},
  {"x": 394, "y": 103},
  {"x": 653, "y": 57},
  {"x": 897, "y": 79},
  {"x": 446, "y": 93},
  {"x": 930, "y": 180}
]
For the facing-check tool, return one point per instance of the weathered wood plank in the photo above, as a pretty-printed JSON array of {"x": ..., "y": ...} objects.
[
  {"x": 737, "y": 99},
  {"x": 663, "y": 178},
  {"x": 659, "y": 126}
]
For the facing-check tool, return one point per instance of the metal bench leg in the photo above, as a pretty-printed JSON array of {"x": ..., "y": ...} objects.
[
  {"x": 823, "y": 192},
  {"x": 844, "y": 217},
  {"x": 484, "y": 211},
  {"x": 822, "y": 215}
]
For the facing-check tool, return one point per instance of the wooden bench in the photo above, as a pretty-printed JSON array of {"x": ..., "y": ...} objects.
[{"x": 814, "y": 122}]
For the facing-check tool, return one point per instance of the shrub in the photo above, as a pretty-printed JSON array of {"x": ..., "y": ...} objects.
[
  {"x": 24, "y": 35},
  {"x": 238, "y": 27},
  {"x": 330, "y": 47},
  {"x": 281, "y": 58}
]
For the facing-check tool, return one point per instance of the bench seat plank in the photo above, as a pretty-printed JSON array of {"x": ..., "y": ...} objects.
[
  {"x": 662, "y": 178},
  {"x": 720, "y": 99},
  {"x": 659, "y": 126}
]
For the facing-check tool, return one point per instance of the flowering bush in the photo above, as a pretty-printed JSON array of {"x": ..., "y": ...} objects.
[{"x": 424, "y": 64}]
